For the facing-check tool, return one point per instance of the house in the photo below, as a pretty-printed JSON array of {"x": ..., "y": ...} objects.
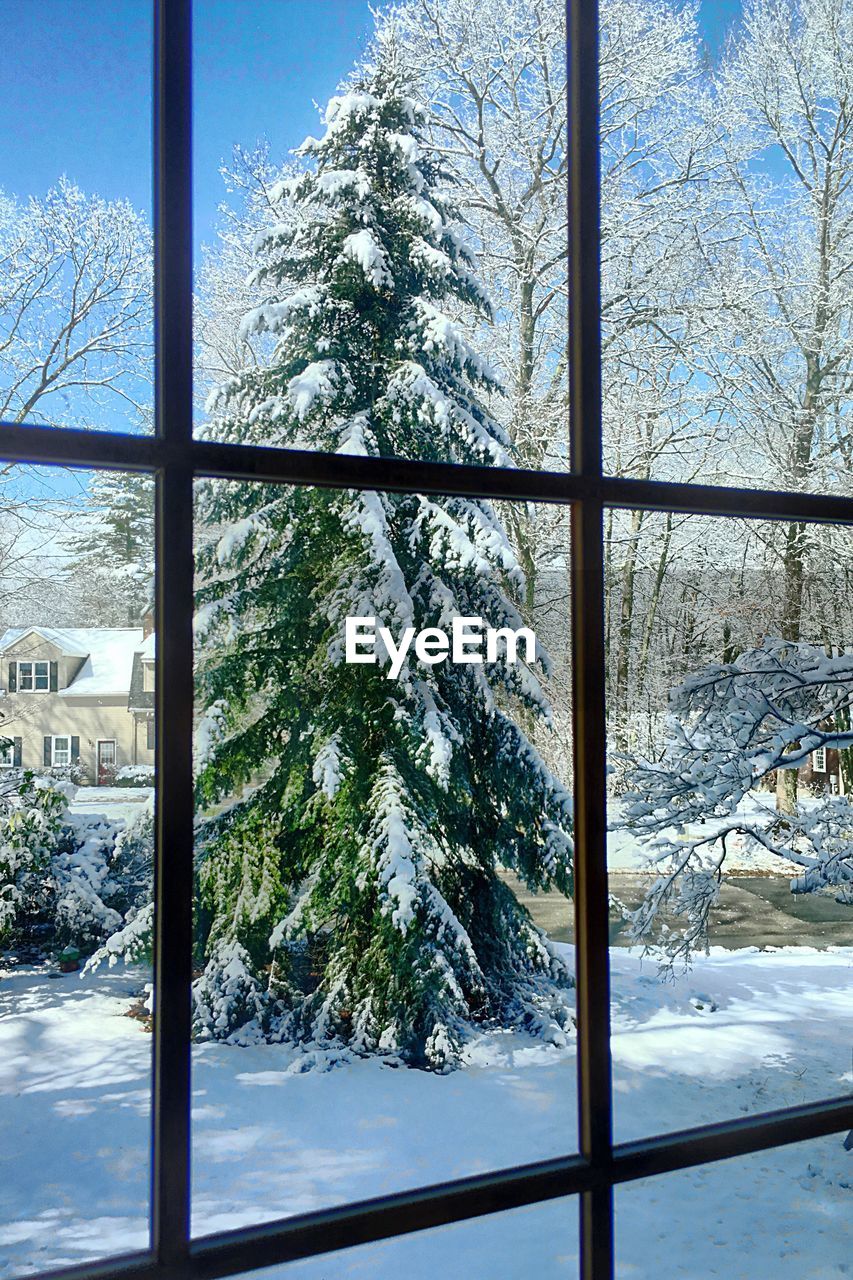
[
  {"x": 77, "y": 696},
  {"x": 140, "y": 700},
  {"x": 822, "y": 772}
]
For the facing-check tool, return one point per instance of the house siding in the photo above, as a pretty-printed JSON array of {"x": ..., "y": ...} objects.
[
  {"x": 34, "y": 716},
  {"x": 34, "y": 649}
]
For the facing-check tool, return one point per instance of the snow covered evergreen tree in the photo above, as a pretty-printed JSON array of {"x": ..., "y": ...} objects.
[
  {"x": 348, "y": 860},
  {"x": 114, "y": 559}
]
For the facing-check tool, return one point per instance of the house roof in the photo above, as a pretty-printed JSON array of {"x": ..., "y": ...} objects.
[{"x": 108, "y": 654}]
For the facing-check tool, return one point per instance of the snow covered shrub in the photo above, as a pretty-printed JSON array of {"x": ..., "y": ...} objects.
[
  {"x": 731, "y": 726},
  {"x": 67, "y": 877},
  {"x": 81, "y": 867},
  {"x": 30, "y": 827},
  {"x": 132, "y": 943},
  {"x": 135, "y": 775},
  {"x": 73, "y": 773},
  {"x": 228, "y": 1000},
  {"x": 132, "y": 862},
  {"x": 354, "y": 822},
  {"x": 131, "y": 891}
]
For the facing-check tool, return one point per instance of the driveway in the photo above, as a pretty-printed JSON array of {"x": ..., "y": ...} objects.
[{"x": 754, "y": 911}]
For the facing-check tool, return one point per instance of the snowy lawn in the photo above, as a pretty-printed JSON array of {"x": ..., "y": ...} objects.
[
  {"x": 773, "y": 1028},
  {"x": 112, "y": 802}
]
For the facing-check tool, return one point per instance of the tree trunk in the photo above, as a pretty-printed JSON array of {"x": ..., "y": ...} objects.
[
  {"x": 787, "y": 790},
  {"x": 845, "y": 755},
  {"x": 793, "y": 565},
  {"x": 654, "y": 601},
  {"x": 626, "y": 629},
  {"x": 608, "y": 584}
]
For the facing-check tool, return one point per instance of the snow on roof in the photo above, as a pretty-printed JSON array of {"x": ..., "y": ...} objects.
[
  {"x": 147, "y": 648},
  {"x": 108, "y": 654}
]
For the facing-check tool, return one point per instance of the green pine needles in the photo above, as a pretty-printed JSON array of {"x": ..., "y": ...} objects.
[{"x": 353, "y": 826}]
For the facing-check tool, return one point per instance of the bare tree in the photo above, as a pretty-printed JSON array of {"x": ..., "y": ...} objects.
[
  {"x": 780, "y": 267},
  {"x": 780, "y": 264},
  {"x": 224, "y": 289},
  {"x": 657, "y": 153},
  {"x": 75, "y": 349},
  {"x": 492, "y": 75},
  {"x": 75, "y": 310},
  {"x": 732, "y": 724}
]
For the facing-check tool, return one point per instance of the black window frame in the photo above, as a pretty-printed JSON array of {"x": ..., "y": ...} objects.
[{"x": 175, "y": 458}]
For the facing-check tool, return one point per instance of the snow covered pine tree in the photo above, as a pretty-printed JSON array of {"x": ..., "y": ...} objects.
[
  {"x": 112, "y": 564},
  {"x": 354, "y": 824}
]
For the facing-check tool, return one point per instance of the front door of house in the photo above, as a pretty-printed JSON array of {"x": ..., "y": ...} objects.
[{"x": 106, "y": 761}]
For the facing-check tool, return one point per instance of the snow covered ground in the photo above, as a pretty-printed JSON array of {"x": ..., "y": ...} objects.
[
  {"x": 112, "y": 802},
  {"x": 624, "y": 851},
  {"x": 744, "y": 1031}
]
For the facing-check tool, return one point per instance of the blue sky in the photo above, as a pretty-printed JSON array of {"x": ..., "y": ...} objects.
[
  {"x": 77, "y": 97},
  {"x": 715, "y": 18}
]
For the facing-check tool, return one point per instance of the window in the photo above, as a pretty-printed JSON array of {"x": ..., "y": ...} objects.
[
  {"x": 149, "y": 734},
  {"x": 819, "y": 760},
  {"x": 7, "y": 755},
  {"x": 33, "y": 677},
  {"x": 175, "y": 458}
]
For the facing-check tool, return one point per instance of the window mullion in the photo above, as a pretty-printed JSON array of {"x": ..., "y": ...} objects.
[
  {"x": 595, "y": 1100},
  {"x": 170, "y": 1205}
]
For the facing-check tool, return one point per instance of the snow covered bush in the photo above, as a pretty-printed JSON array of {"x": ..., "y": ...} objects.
[
  {"x": 30, "y": 827},
  {"x": 132, "y": 862},
  {"x": 66, "y": 877},
  {"x": 82, "y": 910},
  {"x": 135, "y": 775},
  {"x": 73, "y": 773},
  {"x": 229, "y": 1002},
  {"x": 132, "y": 892},
  {"x": 733, "y": 725},
  {"x": 354, "y": 825}
]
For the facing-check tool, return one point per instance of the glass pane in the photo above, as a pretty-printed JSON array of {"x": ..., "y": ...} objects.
[
  {"x": 540, "y": 1241},
  {"x": 382, "y": 807},
  {"x": 727, "y": 235},
  {"x": 783, "y": 1213},
  {"x": 395, "y": 285},
  {"x": 75, "y": 226},
  {"x": 730, "y": 856},
  {"x": 76, "y": 851}
]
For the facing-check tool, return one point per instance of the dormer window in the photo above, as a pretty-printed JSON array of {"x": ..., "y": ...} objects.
[{"x": 33, "y": 677}]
